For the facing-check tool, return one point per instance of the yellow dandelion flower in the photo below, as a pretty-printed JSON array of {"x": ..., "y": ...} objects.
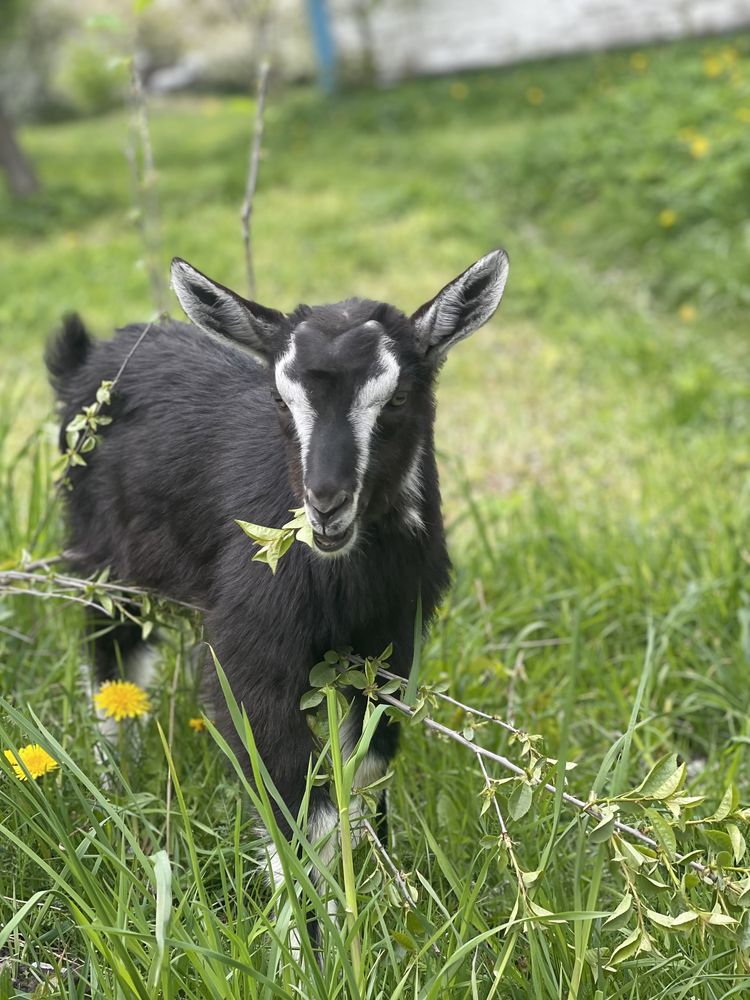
[
  {"x": 121, "y": 700},
  {"x": 687, "y": 313},
  {"x": 36, "y": 759},
  {"x": 459, "y": 91},
  {"x": 535, "y": 95},
  {"x": 712, "y": 66},
  {"x": 639, "y": 62},
  {"x": 743, "y": 114},
  {"x": 197, "y": 725},
  {"x": 699, "y": 146},
  {"x": 667, "y": 217}
]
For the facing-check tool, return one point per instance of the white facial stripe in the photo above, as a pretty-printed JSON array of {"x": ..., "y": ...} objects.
[
  {"x": 369, "y": 401},
  {"x": 294, "y": 395}
]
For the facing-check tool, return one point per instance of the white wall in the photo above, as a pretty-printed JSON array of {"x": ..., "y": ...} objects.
[{"x": 435, "y": 36}]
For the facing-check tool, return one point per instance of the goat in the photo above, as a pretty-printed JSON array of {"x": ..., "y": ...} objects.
[{"x": 331, "y": 407}]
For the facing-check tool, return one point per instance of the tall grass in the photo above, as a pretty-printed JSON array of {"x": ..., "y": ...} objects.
[{"x": 598, "y": 521}]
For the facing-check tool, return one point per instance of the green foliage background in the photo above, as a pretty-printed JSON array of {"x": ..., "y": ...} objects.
[{"x": 595, "y": 460}]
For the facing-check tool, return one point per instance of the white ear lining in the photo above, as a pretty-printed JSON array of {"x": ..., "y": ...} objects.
[
  {"x": 224, "y": 319},
  {"x": 450, "y": 317}
]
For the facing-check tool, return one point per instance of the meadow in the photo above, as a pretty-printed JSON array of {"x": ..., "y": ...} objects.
[{"x": 595, "y": 467}]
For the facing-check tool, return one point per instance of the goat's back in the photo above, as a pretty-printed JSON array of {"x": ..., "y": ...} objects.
[{"x": 194, "y": 443}]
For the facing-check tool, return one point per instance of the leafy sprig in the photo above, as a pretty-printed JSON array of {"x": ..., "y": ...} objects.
[{"x": 273, "y": 543}]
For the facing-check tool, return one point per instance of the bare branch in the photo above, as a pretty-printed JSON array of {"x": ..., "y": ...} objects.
[
  {"x": 252, "y": 173},
  {"x": 587, "y": 807},
  {"x": 145, "y": 183}
]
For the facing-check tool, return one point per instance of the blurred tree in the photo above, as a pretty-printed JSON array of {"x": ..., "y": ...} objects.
[{"x": 19, "y": 171}]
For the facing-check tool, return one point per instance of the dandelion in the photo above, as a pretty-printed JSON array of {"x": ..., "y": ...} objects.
[
  {"x": 699, "y": 146},
  {"x": 535, "y": 95},
  {"x": 459, "y": 91},
  {"x": 687, "y": 313},
  {"x": 197, "y": 725},
  {"x": 712, "y": 66},
  {"x": 121, "y": 700},
  {"x": 639, "y": 62},
  {"x": 36, "y": 759},
  {"x": 667, "y": 218}
]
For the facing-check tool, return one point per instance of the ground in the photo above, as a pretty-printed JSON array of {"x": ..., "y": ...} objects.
[{"x": 594, "y": 455}]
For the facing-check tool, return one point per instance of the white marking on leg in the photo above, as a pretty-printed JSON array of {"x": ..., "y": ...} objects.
[{"x": 140, "y": 666}]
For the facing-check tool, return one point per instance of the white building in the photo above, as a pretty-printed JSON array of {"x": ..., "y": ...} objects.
[{"x": 413, "y": 37}]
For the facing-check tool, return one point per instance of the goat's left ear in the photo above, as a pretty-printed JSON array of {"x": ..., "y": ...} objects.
[
  {"x": 465, "y": 304},
  {"x": 223, "y": 313}
]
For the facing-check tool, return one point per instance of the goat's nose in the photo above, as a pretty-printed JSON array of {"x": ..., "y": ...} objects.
[{"x": 328, "y": 503}]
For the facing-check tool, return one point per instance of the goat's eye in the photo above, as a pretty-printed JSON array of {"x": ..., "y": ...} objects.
[
  {"x": 279, "y": 401},
  {"x": 398, "y": 398}
]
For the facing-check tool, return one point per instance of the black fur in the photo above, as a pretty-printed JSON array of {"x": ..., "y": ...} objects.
[
  {"x": 202, "y": 434},
  {"x": 196, "y": 442}
]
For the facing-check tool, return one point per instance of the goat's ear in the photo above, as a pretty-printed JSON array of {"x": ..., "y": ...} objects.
[
  {"x": 465, "y": 304},
  {"x": 223, "y": 313}
]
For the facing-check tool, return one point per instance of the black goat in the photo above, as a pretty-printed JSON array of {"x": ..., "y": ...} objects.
[{"x": 331, "y": 406}]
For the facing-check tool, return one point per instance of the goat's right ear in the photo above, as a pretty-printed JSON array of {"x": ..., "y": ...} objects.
[{"x": 223, "y": 313}]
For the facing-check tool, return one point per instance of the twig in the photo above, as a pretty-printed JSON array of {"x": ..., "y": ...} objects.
[
  {"x": 73, "y": 585},
  {"x": 252, "y": 173},
  {"x": 80, "y": 441},
  {"x": 458, "y": 704},
  {"x": 398, "y": 878},
  {"x": 507, "y": 842},
  {"x": 587, "y": 807},
  {"x": 145, "y": 180}
]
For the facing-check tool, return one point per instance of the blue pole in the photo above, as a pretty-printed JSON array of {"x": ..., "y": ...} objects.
[{"x": 325, "y": 48}]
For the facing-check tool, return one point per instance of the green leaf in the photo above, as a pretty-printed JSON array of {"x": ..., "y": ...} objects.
[
  {"x": 720, "y": 841},
  {"x": 738, "y": 842},
  {"x": 305, "y": 535},
  {"x": 727, "y": 805},
  {"x": 520, "y": 800},
  {"x": 664, "y": 779},
  {"x": 743, "y": 899},
  {"x": 629, "y": 854},
  {"x": 322, "y": 674},
  {"x": 390, "y": 687},
  {"x": 627, "y": 949},
  {"x": 718, "y": 919},
  {"x": 663, "y": 833},
  {"x": 310, "y": 699},
  {"x": 619, "y": 917},
  {"x": 259, "y": 533},
  {"x": 604, "y": 828},
  {"x": 406, "y": 941}
]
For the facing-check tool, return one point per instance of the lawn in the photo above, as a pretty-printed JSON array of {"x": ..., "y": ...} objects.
[{"x": 595, "y": 469}]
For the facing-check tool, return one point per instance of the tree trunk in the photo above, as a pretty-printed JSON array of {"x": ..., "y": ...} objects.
[{"x": 22, "y": 179}]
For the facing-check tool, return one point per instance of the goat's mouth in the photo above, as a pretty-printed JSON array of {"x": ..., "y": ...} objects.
[{"x": 331, "y": 544}]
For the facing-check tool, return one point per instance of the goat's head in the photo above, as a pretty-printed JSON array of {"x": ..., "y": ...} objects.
[{"x": 352, "y": 383}]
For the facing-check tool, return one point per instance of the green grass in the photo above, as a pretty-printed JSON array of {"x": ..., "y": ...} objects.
[{"x": 595, "y": 460}]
